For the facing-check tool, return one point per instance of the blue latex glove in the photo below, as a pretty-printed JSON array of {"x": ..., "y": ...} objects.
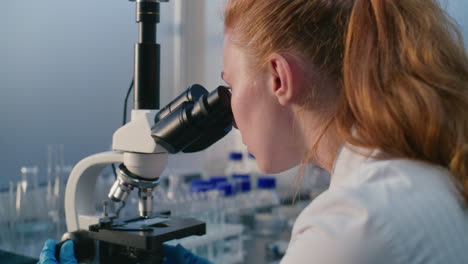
[
  {"x": 67, "y": 255},
  {"x": 180, "y": 255}
]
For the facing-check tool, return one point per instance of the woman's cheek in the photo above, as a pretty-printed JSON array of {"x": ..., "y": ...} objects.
[
  {"x": 240, "y": 110},
  {"x": 235, "y": 106}
]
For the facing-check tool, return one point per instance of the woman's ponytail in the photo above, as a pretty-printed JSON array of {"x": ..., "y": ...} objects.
[{"x": 405, "y": 84}]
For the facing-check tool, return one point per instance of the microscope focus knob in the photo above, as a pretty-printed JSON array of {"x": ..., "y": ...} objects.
[{"x": 84, "y": 245}]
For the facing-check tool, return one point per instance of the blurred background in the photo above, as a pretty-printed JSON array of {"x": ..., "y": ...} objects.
[{"x": 65, "y": 68}]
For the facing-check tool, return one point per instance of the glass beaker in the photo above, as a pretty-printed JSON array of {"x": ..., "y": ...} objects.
[
  {"x": 55, "y": 191},
  {"x": 6, "y": 240},
  {"x": 32, "y": 223}
]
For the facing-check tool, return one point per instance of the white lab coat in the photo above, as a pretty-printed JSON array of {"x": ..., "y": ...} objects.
[{"x": 382, "y": 211}]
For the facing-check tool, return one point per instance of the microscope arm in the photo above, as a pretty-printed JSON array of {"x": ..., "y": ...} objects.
[
  {"x": 79, "y": 193},
  {"x": 80, "y": 190}
]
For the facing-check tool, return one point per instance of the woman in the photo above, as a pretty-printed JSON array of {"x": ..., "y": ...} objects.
[{"x": 376, "y": 93}]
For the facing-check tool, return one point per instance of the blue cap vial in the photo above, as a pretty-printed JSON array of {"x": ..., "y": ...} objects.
[
  {"x": 197, "y": 186},
  {"x": 217, "y": 179},
  {"x": 225, "y": 188},
  {"x": 241, "y": 176},
  {"x": 266, "y": 183},
  {"x": 235, "y": 156},
  {"x": 243, "y": 185}
]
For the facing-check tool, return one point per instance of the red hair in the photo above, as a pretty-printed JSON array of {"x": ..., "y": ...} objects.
[{"x": 400, "y": 67}]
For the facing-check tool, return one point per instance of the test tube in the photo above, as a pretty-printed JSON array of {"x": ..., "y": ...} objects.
[
  {"x": 7, "y": 241},
  {"x": 55, "y": 187},
  {"x": 33, "y": 224}
]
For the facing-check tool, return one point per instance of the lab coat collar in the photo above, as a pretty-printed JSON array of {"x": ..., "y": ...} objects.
[{"x": 349, "y": 159}]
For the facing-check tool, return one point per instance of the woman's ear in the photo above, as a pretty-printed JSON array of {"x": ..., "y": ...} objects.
[{"x": 285, "y": 81}]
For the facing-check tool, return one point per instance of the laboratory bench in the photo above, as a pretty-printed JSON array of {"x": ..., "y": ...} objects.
[
  {"x": 11, "y": 258},
  {"x": 257, "y": 249}
]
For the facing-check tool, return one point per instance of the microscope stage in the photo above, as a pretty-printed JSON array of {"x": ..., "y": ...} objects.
[{"x": 148, "y": 233}]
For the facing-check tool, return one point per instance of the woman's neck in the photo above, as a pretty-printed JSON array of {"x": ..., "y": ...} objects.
[
  {"x": 322, "y": 148},
  {"x": 327, "y": 150}
]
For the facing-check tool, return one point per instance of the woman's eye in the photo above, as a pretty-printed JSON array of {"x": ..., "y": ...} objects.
[{"x": 228, "y": 87}]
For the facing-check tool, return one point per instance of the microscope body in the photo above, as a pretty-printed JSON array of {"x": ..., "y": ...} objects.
[
  {"x": 136, "y": 149},
  {"x": 138, "y": 239},
  {"x": 141, "y": 159},
  {"x": 191, "y": 122}
]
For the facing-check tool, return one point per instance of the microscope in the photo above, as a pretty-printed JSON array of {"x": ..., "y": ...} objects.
[{"x": 192, "y": 122}]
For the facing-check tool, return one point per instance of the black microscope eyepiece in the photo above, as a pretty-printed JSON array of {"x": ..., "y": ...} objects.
[
  {"x": 191, "y": 94},
  {"x": 194, "y": 120}
]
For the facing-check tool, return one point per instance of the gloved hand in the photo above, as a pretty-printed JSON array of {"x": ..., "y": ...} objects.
[
  {"x": 180, "y": 255},
  {"x": 67, "y": 255}
]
